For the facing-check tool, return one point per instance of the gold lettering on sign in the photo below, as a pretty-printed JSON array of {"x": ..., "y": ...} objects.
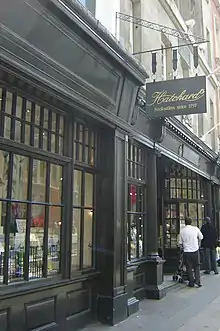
[{"x": 165, "y": 97}]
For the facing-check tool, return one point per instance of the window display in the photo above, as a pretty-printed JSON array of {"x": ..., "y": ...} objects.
[
  {"x": 136, "y": 201},
  {"x": 83, "y": 198},
  {"x": 184, "y": 196},
  {"x": 30, "y": 191},
  {"x": 25, "y": 222}
]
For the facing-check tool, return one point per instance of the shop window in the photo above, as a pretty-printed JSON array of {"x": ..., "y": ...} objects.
[
  {"x": 30, "y": 217},
  {"x": 182, "y": 184},
  {"x": 85, "y": 148},
  {"x": 85, "y": 145},
  {"x": 171, "y": 225},
  {"x": 136, "y": 162},
  {"x": 136, "y": 201},
  {"x": 184, "y": 196},
  {"x": 83, "y": 220},
  {"x": 27, "y": 122}
]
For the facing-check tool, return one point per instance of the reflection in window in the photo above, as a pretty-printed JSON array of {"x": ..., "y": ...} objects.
[
  {"x": 31, "y": 217},
  {"x": 172, "y": 225},
  {"x": 76, "y": 234},
  {"x": 83, "y": 220},
  {"x": 189, "y": 188},
  {"x": 20, "y": 177},
  {"x": 136, "y": 200},
  {"x": 53, "y": 257},
  {"x": 136, "y": 215},
  {"x": 85, "y": 145},
  {"x": 33, "y": 124},
  {"x": 136, "y": 162}
]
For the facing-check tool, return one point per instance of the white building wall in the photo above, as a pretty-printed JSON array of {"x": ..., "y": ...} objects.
[
  {"x": 106, "y": 14},
  {"x": 164, "y": 12}
]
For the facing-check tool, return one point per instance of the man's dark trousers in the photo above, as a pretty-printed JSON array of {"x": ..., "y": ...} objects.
[
  {"x": 210, "y": 260},
  {"x": 192, "y": 261}
]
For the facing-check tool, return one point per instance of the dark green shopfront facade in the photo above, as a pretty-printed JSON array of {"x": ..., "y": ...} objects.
[{"x": 88, "y": 194}]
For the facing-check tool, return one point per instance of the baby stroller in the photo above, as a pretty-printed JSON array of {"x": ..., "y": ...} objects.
[{"x": 180, "y": 275}]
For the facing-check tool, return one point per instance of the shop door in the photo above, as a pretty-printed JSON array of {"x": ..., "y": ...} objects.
[{"x": 174, "y": 220}]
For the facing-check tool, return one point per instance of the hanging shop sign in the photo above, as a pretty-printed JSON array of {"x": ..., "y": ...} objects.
[{"x": 176, "y": 97}]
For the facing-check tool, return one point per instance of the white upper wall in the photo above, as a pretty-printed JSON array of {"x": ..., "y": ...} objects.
[
  {"x": 164, "y": 12},
  {"x": 106, "y": 13}
]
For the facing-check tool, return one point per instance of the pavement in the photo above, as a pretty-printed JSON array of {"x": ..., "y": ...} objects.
[{"x": 183, "y": 309}]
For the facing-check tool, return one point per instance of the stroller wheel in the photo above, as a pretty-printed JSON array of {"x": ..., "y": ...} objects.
[{"x": 181, "y": 280}]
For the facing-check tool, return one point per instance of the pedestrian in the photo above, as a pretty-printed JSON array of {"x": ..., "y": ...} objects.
[
  {"x": 209, "y": 244},
  {"x": 190, "y": 238}
]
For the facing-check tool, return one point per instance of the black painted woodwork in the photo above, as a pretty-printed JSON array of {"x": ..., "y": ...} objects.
[
  {"x": 112, "y": 295},
  {"x": 103, "y": 293},
  {"x": 154, "y": 264}
]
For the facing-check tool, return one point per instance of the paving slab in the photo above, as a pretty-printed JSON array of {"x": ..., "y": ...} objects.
[{"x": 183, "y": 309}]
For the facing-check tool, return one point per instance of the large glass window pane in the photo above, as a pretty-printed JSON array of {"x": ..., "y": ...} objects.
[
  {"x": 3, "y": 207},
  {"x": 55, "y": 222},
  {"x": 20, "y": 177},
  {"x": 17, "y": 236},
  {"x": 88, "y": 190},
  {"x": 56, "y": 181},
  {"x": 36, "y": 241},
  {"x": 39, "y": 181},
  {"x": 4, "y": 166},
  {"x": 75, "y": 260},
  {"x": 77, "y": 188},
  {"x": 87, "y": 238}
]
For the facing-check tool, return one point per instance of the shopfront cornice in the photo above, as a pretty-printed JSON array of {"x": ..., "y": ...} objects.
[
  {"x": 98, "y": 33},
  {"x": 179, "y": 129}
]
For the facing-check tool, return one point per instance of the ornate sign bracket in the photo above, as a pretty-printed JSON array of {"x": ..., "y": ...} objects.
[{"x": 190, "y": 39}]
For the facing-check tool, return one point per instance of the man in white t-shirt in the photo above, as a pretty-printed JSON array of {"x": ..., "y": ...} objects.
[{"x": 190, "y": 238}]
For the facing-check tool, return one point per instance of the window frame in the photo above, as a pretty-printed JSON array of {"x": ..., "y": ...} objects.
[
  {"x": 138, "y": 183},
  {"x": 93, "y": 169},
  {"x": 29, "y": 204},
  {"x": 33, "y": 152},
  {"x": 193, "y": 184}
]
